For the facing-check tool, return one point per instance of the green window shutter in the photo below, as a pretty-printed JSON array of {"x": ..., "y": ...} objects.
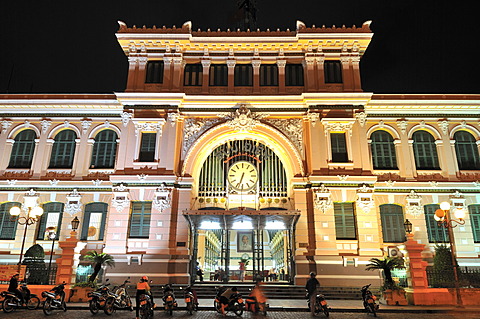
[
  {"x": 140, "y": 219},
  {"x": 63, "y": 150},
  {"x": 147, "y": 147},
  {"x": 466, "y": 150},
  {"x": 425, "y": 151},
  {"x": 391, "y": 216},
  {"x": 94, "y": 208},
  {"x": 474, "y": 211},
  {"x": 53, "y": 209},
  {"x": 8, "y": 228},
  {"x": 345, "y": 225},
  {"x": 23, "y": 148},
  {"x": 383, "y": 151},
  {"x": 436, "y": 234},
  {"x": 104, "y": 149}
]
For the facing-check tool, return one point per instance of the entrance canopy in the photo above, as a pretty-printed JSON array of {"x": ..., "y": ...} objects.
[{"x": 242, "y": 219}]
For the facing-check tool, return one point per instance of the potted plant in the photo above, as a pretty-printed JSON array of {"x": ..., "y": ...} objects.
[{"x": 392, "y": 292}]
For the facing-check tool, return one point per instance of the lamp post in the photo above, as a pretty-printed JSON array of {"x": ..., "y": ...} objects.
[
  {"x": 408, "y": 226},
  {"x": 443, "y": 218},
  {"x": 33, "y": 215},
  {"x": 52, "y": 235}
]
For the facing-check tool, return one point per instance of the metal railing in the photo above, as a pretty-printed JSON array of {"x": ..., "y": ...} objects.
[{"x": 467, "y": 277}]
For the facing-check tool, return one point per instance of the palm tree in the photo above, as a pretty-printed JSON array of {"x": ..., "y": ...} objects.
[
  {"x": 99, "y": 259},
  {"x": 387, "y": 265}
]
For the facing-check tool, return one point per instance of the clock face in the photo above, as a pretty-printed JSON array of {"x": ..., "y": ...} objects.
[{"x": 242, "y": 176}]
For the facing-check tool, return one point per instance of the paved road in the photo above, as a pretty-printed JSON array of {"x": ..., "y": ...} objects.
[{"x": 77, "y": 314}]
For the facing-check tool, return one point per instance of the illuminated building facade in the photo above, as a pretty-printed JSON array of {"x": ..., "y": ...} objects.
[{"x": 229, "y": 146}]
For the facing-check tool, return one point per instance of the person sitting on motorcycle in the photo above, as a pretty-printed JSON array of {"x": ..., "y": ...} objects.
[
  {"x": 143, "y": 288},
  {"x": 257, "y": 297},
  {"x": 168, "y": 291},
  {"x": 225, "y": 298},
  {"x": 13, "y": 287},
  {"x": 189, "y": 289},
  {"x": 312, "y": 287}
]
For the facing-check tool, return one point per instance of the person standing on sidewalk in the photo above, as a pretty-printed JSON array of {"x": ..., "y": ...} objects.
[{"x": 312, "y": 287}]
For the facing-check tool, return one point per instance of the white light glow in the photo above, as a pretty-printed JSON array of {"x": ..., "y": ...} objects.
[
  {"x": 15, "y": 211},
  {"x": 209, "y": 225},
  {"x": 36, "y": 211},
  {"x": 242, "y": 225},
  {"x": 275, "y": 225},
  {"x": 459, "y": 213},
  {"x": 445, "y": 205}
]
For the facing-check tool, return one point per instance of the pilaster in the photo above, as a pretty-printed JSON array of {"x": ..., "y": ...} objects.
[
  {"x": 206, "y": 73},
  {"x": 281, "y": 75},
  {"x": 231, "y": 75},
  {"x": 256, "y": 75}
]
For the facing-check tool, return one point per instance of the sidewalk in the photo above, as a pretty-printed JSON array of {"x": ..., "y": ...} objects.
[{"x": 289, "y": 305}]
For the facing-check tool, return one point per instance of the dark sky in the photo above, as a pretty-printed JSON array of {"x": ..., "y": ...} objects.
[{"x": 69, "y": 46}]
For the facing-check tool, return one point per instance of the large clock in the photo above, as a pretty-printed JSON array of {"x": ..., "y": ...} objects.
[{"x": 242, "y": 176}]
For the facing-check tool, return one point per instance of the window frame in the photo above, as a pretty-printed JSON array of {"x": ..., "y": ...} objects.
[
  {"x": 386, "y": 148},
  {"x": 145, "y": 152},
  {"x": 218, "y": 75},
  {"x": 342, "y": 227},
  {"x": 474, "y": 212},
  {"x": 154, "y": 72},
  {"x": 91, "y": 208},
  {"x": 243, "y": 75},
  {"x": 268, "y": 75},
  {"x": 433, "y": 229},
  {"x": 338, "y": 157},
  {"x": 333, "y": 71},
  {"x": 6, "y": 222},
  {"x": 106, "y": 155},
  {"x": 63, "y": 151},
  {"x": 57, "y": 208},
  {"x": 466, "y": 151},
  {"x": 392, "y": 219},
  {"x": 143, "y": 215},
  {"x": 193, "y": 74},
  {"x": 292, "y": 75},
  {"x": 425, "y": 152},
  {"x": 23, "y": 149}
]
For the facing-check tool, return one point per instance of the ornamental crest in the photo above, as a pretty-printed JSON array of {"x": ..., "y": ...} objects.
[
  {"x": 292, "y": 128},
  {"x": 73, "y": 205},
  {"x": 242, "y": 119},
  {"x": 163, "y": 198},
  {"x": 365, "y": 198},
  {"x": 192, "y": 130},
  {"x": 323, "y": 200},
  {"x": 414, "y": 204}
]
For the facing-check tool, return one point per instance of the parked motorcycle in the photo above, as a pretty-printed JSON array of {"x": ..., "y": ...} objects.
[
  {"x": 235, "y": 304},
  {"x": 12, "y": 302},
  {"x": 190, "y": 300},
  {"x": 98, "y": 298},
  {"x": 369, "y": 300},
  {"x": 146, "y": 307},
  {"x": 169, "y": 302},
  {"x": 320, "y": 305},
  {"x": 54, "y": 299},
  {"x": 118, "y": 299}
]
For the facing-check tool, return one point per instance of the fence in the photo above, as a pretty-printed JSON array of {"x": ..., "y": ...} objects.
[
  {"x": 467, "y": 277},
  {"x": 40, "y": 274}
]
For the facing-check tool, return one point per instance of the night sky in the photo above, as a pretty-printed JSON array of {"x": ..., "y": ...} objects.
[{"x": 70, "y": 46}]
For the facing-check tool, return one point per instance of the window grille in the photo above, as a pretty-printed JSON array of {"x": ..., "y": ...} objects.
[
  {"x": 94, "y": 221},
  {"x": 436, "y": 234},
  {"x": 140, "y": 219},
  {"x": 243, "y": 75},
  {"x": 268, "y": 75},
  {"x": 154, "y": 72},
  {"x": 392, "y": 223},
  {"x": 23, "y": 148},
  {"x": 147, "y": 147},
  {"x": 383, "y": 151},
  {"x": 218, "y": 75},
  {"x": 333, "y": 71},
  {"x": 294, "y": 75},
  {"x": 51, "y": 217},
  {"x": 345, "y": 224},
  {"x": 466, "y": 150},
  {"x": 63, "y": 150},
  {"x": 193, "y": 75},
  {"x": 474, "y": 211},
  {"x": 339, "y": 148},
  {"x": 104, "y": 149},
  {"x": 8, "y": 228},
  {"x": 425, "y": 151}
]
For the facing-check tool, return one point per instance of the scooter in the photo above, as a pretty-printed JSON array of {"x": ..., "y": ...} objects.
[
  {"x": 169, "y": 302},
  {"x": 98, "y": 298},
  {"x": 235, "y": 304},
  {"x": 54, "y": 299},
  {"x": 118, "y": 299},
  {"x": 190, "y": 300},
  {"x": 320, "y": 305},
  {"x": 146, "y": 307},
  {"x": 12, "y": 302},
  {"x": 369, "y": 300}
]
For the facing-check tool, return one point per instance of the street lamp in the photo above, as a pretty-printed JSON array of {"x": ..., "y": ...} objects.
[
  {"x": 408, "y": 226},
  {"x": 75, "y": 223},
  {"x": 52, "y": 235},
  {"x": 443, "y": 218},
  {"x": 33, "y": 215}
]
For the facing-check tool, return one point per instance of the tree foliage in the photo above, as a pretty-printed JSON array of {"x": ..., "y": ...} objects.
[
  {"x": 98, "y": 259},
  {"x": 386, "y": 264}
]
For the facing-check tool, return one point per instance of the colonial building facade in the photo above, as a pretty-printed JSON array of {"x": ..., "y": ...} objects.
[{"x": 235, "y": 146}]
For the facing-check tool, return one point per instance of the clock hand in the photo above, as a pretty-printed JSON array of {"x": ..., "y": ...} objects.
[{"x": 241, "y": 179}]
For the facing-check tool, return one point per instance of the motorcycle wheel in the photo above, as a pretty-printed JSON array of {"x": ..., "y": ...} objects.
[
  {"x": 128, "y": 302},
  {"x": 7, "y": 305},
  {"x": 326, "y": 311},
  {"x": 216, "y": 306},
  {"x": 47, "y": 307},
  {"x": 190, "y": 308},
  {"x": 93, "y": 307},
  {"x": 145, "y": 313},
  {"x": 373, "y": 310},
  {"x": 170, "y": 311},
  {"x": 64, "y": 306},
  {"x": 238, "y": 309},
  {"x": 109, "y": 306},
  {"x": 33, "y": 303}
]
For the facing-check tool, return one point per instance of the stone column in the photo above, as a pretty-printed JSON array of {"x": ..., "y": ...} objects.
[
  {"x": 281, "y": 75},
  {"x": 231, "y": 75},
  {"x": 346, "y": 73},
  {"x": 321, "y": 73},
  {"x": 141, "y": 73},
  {"x": 132, "y": 68},
  {"x": 206, "y": 73},
  {"x": 65, "y": 263},
  {"x": 309, "y": 67},
  {"x": 256, "y": 75},
  {"x": 178, "y": 66},
  {"x": 167, "y": 73}
]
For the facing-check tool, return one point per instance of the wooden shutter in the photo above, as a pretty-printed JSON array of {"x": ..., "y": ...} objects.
[
  {"x": 8, "y": 228},
  {"x": 392, "y": 223},
  {"x": 345, "y": 225},
  {"x": 474, "y": 211},
  {"x": 436, "y": 234},
  {"x": 22, "y": 151},
  {"x": 140, "y": 219}
]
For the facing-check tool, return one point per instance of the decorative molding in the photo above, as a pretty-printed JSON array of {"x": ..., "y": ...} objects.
[
  {"x": 414, "y": 204},
  {"x": 86, "y": 125},
  {"x": 73, "y": 205},
  {"x": 365, "y": 198},
  {"x": 313, "y": 117},
  {"x": 143, "y": 126},
  {"x": 142, "y": 177},
  {"x": 323, "y": 198},
  {"x": 242, "y": 119},
  {"x": 126, "y": 117},
  {"x": 402, "y": 124},
  {"x": 390, "y": 183},
  {"x": 337, "y": 126},
  {"x": 291, "y": 128},
  {"x": 97, "y": 182},
  {"x": 173, "y": 118},
  {"x": 193, "y": 128},
  {"x": 342, "y": 178},
  {"x": 11, "y": 182},
  {"x": 163, "y": 197},
  {"x": 120, "y": 198},
  {"x": 45, "y": 124},
  {"x": 54, "y": 182},
  {"x": 361, "y": 118},
  {"x": 444, "y": 124},
  {"x": 433, "y": 184},
  {"x": 458, "y": 202},
  {"x": 6, "y": 125}
]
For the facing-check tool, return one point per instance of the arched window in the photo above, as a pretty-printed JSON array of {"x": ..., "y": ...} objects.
[
  {"x": 63, "y": 150},
  {"x": 467, "y": 150},
  {"x": 474, "y": 211},
  {"x": 104, "y": 149},
  {"x": 94, "y": 221},
  {"x": 22, "y": 151},
  {"x": 392, "y": 223},
  {"x": 436, "y": 234},
  {"x": 383, "y": 150},
  {"x": 8, "y": 228},
  {"x": 425, "y": 150},
  {"x": 51, "y": 218}
]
